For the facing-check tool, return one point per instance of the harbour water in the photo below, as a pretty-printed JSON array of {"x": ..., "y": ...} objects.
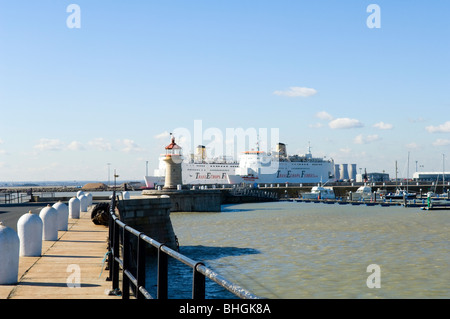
[{"x": 291, "y": 250}]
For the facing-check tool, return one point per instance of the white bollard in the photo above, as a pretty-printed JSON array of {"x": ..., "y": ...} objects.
[
  {"x": 49, "y": 217},
  {"x": 9, "y": 259},
  {"x": 79, "y": 193},
  {"x": 74, "y": 208},
  {"x": 89, "y": 196},
  {"x": 29, "y": 229},
  {"x": 83, "y": 203},
  {"x": 126, "y": 195},
  {"x": 63, "y": 215}
]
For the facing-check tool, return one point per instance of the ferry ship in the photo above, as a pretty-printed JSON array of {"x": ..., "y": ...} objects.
[
  {"x": 253, "y": 167},
  {"x": 196, "y": 170},
  {"x": 279, "y": 167}
]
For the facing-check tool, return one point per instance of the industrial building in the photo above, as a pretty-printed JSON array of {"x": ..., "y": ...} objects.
[
  {"x": 431, "y": 176},
  {"x": 345, "y": 172},
  {"x": 372, "y": 177}
]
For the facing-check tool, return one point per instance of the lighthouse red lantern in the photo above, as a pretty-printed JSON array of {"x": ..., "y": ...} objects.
[{"x": 173, "y": 148}]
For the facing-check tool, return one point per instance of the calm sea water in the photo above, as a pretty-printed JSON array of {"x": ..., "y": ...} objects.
[{"x": 306, "y": 250}]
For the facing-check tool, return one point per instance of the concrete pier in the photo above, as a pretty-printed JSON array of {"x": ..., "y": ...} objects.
[
  {"x": 187, "y": 200},
  {"x": 69, "y": 268},
  {"x": 150, "y": 216}
]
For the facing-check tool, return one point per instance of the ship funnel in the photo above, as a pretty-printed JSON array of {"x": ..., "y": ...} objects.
[
  {"x": 281, "y": 150},
  {"x": 200, "y": 153}
]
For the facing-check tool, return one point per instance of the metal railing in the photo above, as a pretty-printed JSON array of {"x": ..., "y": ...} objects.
[
  {"x": 135, "y": 277},
  {"x": 10, "y": 198}
]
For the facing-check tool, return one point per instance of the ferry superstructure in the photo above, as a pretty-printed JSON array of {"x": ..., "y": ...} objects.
[{"x": 278, "y": 167}]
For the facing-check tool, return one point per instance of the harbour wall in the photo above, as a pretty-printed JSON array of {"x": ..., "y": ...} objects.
[
  {"x": 150, "y": 216},
  {"x": 186, "y": 200}
]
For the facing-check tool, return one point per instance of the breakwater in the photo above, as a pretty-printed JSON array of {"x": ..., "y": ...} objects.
[
  {"x": 342, "y": 190},
  {"x": 436, "y": 203}
]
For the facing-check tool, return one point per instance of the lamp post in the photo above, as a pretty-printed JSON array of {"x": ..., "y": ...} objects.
[
  {"x": 115, "y": 176},
  {"x": 109, "y": 180}
]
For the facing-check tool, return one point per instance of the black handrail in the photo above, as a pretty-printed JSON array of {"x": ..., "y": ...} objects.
[{"x": 200, "y": 271}]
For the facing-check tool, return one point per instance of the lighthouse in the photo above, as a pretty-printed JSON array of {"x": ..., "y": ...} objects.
[{"x": 173, "y": 161}]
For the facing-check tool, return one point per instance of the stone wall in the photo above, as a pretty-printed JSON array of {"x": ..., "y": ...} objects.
[
  {"x": 150, "y": 216},
  {"x": 191, "y": 200}
]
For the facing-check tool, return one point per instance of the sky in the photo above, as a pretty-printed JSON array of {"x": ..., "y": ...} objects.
[{"x": 87, "y": 83}]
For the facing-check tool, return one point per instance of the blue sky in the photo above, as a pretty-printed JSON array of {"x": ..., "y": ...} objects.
[{"x": 74, "y": 99}]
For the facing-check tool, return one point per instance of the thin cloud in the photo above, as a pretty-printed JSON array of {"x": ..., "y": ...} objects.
[
  {"x": 316, "y": 125},
  {"x": 345, "y": 123},
  {"x": 412, "y": 145},
  {"x": 75, "y": 146},
  {"x": 295, "y": 91},
  {"x": 383, "y": 126},
  {"x": 100, "y": 144},
  {"x": 443, "y": 128},
  {"x": 417, "y": 120},
  {"x": 130, "y": 146},
  {"x": 360, "y": 139},
  {"x": 324, "y": 116},
  {"x": 441, "y": 142},
  {"x": 46, "y": 144},
  {"x": 346, "y": 150},
  {"x": 163, "y": 135}
]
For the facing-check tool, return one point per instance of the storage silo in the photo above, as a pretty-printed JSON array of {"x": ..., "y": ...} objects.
[
  {"x": 352, "y": 172},
  {"x": 337, "y": 172},
  {"x": 343, "y": 170}
]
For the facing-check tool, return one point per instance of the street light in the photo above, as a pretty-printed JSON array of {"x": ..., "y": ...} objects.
[
  {"x": 109, "y": 180},
  {"x": 115, "y": 176}
]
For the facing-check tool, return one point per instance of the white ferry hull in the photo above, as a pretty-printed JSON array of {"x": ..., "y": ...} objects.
[
  {"x": 197, "y": 174},
  {"x": 288, "y": 172}
]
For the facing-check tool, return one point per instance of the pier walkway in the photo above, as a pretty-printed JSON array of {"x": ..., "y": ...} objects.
[{"x": 69, "y": 268}]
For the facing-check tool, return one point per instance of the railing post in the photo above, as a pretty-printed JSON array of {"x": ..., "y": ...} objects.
[
  {"x": 116, "y": 254},
  {"x": 140, "y": 266},
  {"x": 198, "y": 283},
  {"x": 126, "y": 263},
  {"x": 110, "y": 245},
  {"x": 162, "y": 274}
]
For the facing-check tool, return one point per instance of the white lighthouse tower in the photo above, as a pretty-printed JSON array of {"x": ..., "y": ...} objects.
[{"x": 173, "y": 165}]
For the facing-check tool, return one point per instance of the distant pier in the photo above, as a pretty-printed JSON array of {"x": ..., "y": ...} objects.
[
  {"x": 211, "y": 199},
  {"x": 437, "y": 203}
]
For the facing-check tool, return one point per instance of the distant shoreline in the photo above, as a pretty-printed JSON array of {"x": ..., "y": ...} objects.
[{"x": 57, "y": 189}]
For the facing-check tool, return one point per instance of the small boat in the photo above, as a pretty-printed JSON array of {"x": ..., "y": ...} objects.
[
  {"x": 363, "y": 193},
  {"x": 400, "y": 194},
  {"x": 320, "y": 192}
]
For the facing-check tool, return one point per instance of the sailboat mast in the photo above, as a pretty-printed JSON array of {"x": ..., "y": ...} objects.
[
  {"x": 396, "y": 175},
  {"x": 407, "y": 174}
]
